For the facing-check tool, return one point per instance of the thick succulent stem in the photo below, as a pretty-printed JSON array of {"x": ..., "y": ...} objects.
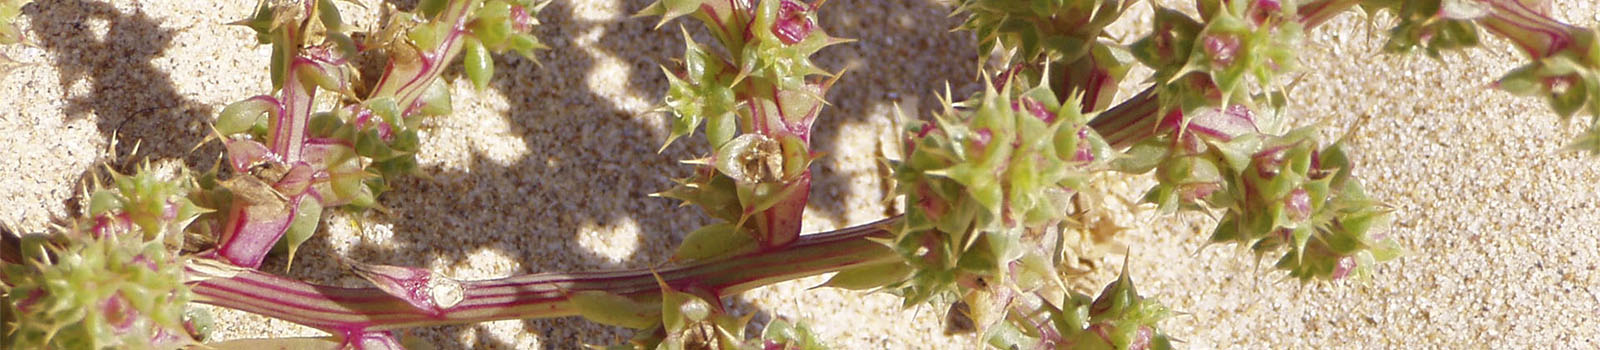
[
  {"x": 254, "y": 226},
  {"x": 288, "y": 136},
  {"x": 1129, "y": 122},
  {"x": 347, "y": 311}
]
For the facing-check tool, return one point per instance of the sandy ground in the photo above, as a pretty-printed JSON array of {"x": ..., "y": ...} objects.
[{"x": 549, "y": 169}]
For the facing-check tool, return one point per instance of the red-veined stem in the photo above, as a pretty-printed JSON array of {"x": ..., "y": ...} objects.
[
  {"x": 1536, "y": 34},
  {"x": 348, "y": 311},
  {"x": 246, "y": 240},
  {"x": 247, "y": 235},
  {"x": 406, "y": 81}
]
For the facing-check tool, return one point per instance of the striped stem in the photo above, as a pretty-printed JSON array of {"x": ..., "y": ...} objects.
[{"x": 359, "y": 310}]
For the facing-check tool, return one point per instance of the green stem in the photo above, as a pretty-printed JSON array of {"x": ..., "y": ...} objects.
[{"x": 359, "y": 310}]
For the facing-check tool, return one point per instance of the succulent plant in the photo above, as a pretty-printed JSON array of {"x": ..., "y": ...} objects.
[
  {"x": 758, "y": 105},
  {"x": 110, "y": 280},
  {"x": 997, "y": 187},
  {"x": 982, "y": 174}
]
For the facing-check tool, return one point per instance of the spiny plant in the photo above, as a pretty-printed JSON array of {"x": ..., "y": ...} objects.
[{"x": 996, "y": 185}]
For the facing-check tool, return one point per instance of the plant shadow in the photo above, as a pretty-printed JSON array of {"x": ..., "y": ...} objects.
[
  {"x": 589, "y": 151},
  {"x": 591, "y": 156},
  {"x": 895, "y": 60},
  {"x": 131, "y": 99}
]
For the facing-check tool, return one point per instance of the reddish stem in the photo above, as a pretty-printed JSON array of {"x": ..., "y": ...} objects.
[{"x": 348, "y": 311}]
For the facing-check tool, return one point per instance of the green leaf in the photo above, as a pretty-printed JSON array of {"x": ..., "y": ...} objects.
[
  {"x": 615, "y": 310},
  {"x": 385, "y": 107},
  {"x": 240, "y": 116},
  {"x": 1142, "y": 157},
  {"x": 431, "y": 8},
  {"x": 670, "y": 9},
  {"x": 104, "y": 201},
  {"x": 324, "y": 124},
  {"x": 525, "y": 45},
  {"x": 329, "y": 16},
  {"x": 301, "y": 229},
  {"x": 436, "y": 99},
  {"x": 871, "y": 276},
  {"x": 369, "y": 145},
  {"x": 1568, "y": 102},
  {"x": 712, "y": 241},
  {"x": 480, "y": 66},
  {"x": 722, "y": 128}
]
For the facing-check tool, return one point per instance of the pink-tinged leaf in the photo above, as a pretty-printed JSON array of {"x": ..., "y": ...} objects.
[
  {"x": 326, "y": 151},
  {"x": 1528, "y": 27},
  {"x": 781, "y": 222},
  {"x": 1034, "y": 108},
  {"x": 1141, "y": 339},
  {"x": 421, "y": 288},
  {"x": 287, "y": 133},
  {"x": 254, "y": 225},
  {"x": 295, "y": 182},
  {"x": 1345, "y": 266},
  {"x": 1222, "y": 125},
  {"x": 118, "y": 313},
  {"x": 799, "y": 109},
  {"x": 109, "y": 225},
  {"x": 324, "y": 75},
  {"x": 792, "y": 25},
  {"x": 242, "y": 154},
  {"x": 1298, "y": 205},
  {"x": 374, "y": 341}
]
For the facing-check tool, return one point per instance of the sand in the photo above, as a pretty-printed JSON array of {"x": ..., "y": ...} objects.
[{"x": 549, "y": 168}]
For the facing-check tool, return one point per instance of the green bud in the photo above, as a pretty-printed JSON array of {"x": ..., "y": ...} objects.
[
  {"x": 493, "y": 27},
  {"x": 721, "y": 128},
  {"x": 1568, "y": 98}
]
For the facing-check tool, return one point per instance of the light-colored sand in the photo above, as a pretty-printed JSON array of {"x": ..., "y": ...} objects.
[{"x": 548, "y": 171}]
